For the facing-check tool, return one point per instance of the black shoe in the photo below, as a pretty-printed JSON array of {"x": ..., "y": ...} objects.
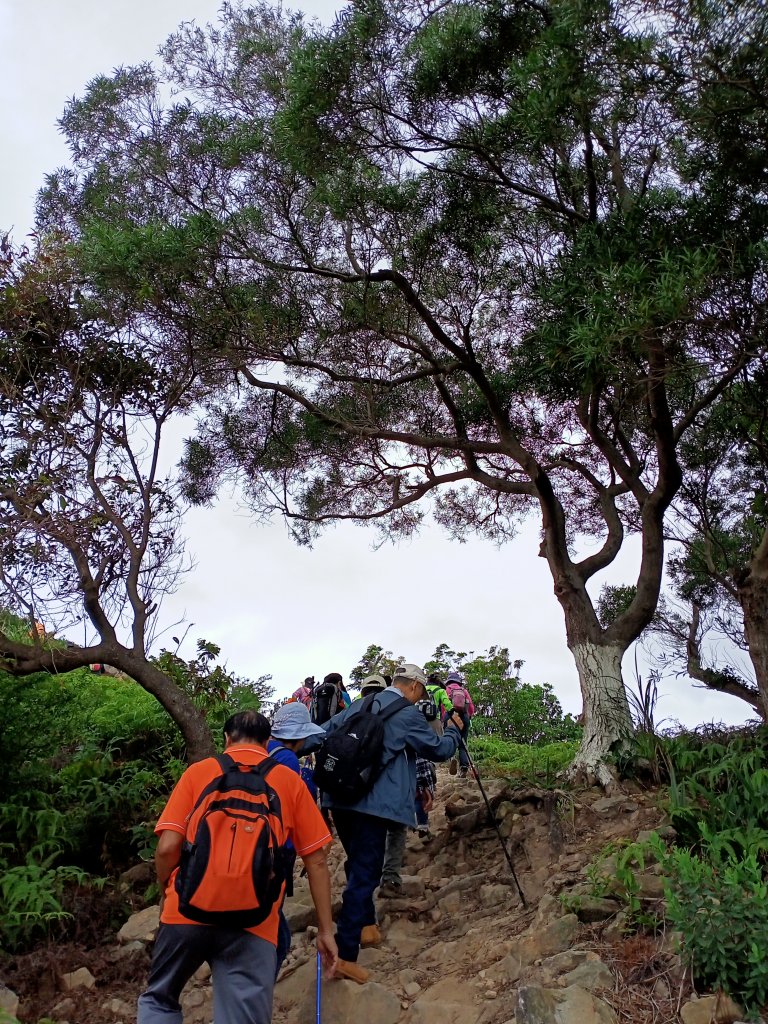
[
  {"x": 390, "y": 890},
  {"x": 463, "y": 772}
]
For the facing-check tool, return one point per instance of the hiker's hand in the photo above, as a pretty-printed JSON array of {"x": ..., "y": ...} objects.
[
  {"x": 326, "y": 947},
  {"x": 427, "y": 801}
]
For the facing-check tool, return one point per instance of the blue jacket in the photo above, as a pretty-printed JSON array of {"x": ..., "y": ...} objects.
[{"x": 406, "y": 734}]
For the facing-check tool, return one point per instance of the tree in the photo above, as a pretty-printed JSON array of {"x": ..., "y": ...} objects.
[
  {"x": 457, "y": 260},
  {"x": 89, "y": 525},
  {"x": 374, "y": 659},
  {"x": 719, "y": 563}
]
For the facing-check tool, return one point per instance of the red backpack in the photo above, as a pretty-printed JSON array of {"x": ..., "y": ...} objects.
[{"x": 232, "y": 865}]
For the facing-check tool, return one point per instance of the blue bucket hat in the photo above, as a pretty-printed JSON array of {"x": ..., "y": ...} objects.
[{"x": 292, "y": 722}]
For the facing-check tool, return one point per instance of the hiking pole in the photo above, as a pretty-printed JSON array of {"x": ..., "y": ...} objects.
[
  {"x": 492, "y": 816},
  {"x": 319, "y": 982}
]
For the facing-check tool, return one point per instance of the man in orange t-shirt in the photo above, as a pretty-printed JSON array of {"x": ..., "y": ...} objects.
[{"x": 242, "y": 960}]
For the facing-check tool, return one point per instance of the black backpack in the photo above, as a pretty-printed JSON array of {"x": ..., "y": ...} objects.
[
  {"x": 350, "y": 759},
  {"x": 326, "y": 702}
]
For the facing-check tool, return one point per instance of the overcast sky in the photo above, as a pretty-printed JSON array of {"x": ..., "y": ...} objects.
[{"x": 271, "y": 606}]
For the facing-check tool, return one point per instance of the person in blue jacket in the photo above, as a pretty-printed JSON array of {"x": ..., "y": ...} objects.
[
  {"x": 362, "y": 826},
  {"x": 291, "y": 726}
]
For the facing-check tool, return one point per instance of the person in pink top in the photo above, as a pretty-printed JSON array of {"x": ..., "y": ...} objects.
[{"x": 463, "y": 705}]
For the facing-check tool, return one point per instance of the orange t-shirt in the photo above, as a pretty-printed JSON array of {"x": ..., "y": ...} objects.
[{"x": 302, "y": 822}]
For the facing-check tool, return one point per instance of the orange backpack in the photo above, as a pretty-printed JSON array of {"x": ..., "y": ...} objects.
[{"x": 232, "y": 864}]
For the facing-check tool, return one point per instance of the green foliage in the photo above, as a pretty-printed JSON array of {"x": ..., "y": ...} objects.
[
  {"x": 506, "y": 706},
  {"x": 86, "y": 764},
  {"x": 217, "y": 692},
  {"x": 716, "y": 882},
  {"x": 31, "y": 901},
  {"x": 613, "y": 602},
  {"x": 501, "y": 757},
  {"x": 722, "y": 912},
  {"x": 374, "y": 659}
]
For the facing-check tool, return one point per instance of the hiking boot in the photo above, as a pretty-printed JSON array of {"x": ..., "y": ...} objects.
[
  {"x": 390, "y": 890},
  {"x": 453, "y": 767},
  {"x": 346, "y": 969},
  {"x": 370, "y": 936},
  {"x": 424, "y": 833},
  {"x": 463, "y": 772}
]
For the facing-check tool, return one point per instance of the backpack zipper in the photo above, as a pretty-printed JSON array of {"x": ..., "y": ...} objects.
[{"x": 233, "y": 827}]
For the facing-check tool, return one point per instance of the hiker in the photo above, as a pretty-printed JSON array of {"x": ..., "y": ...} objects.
[
  {"x": 426, "y": 784},
  {"x": 241, "y": 956},
  {"x": 371, "y": 684},
  {"x": 304, "y": 692},
  {"x": 329, "y": 698},
  {"x": 362, "y": 823},
  {"x": 291, "y": 725},
  {"x": 436, "y": 690},
  {"x": 462, "y": 704}
]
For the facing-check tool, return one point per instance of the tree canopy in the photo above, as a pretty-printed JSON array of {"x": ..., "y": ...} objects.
[{"x": 477, "y": 261}]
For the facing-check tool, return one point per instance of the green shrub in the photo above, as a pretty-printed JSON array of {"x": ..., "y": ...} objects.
[
  {"x": 723, "y": 916},
  {"x": 31, "y": 901},
  {"x": 497, "y": 756}
]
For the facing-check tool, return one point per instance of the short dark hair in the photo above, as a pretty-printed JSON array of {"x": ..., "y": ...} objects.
[
  {"x": 333, "y": 677},
  {"x": 247, "y": 725}
]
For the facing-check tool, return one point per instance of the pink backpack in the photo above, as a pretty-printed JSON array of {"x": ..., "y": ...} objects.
[{"x": 458, "y": 696}]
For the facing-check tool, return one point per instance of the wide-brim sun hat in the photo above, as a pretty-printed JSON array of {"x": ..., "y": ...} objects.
[{"x": 292, "y": 722}]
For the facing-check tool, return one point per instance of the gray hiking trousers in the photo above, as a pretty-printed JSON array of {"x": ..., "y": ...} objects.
[
  {"x": 394, "y": 854},
  {"x": 242, "y": 966}
]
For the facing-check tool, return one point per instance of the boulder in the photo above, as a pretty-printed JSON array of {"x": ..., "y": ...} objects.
[
  {"x": 412, "y": 886},
  {"x": 650, "y": 886},
  {"x": 141, "y": 927},
  {"x": 120, "y": 1009},
  {"x": 197, "y": 1004},
  {"x": 81, "y": 978},
  {"x": 610, "y": 805},
  {"x": 450, "y": 1001},
  {"x": 591, "y": 909},
  {"x": 299, "y": 915},
  {"x": 716, "y": 1009},
  {"x": 572, "y": 1005},
  {"x": 140, "y": 874},
  {"x": 341, "y": 1002},
  {"x": 494, "y": 895},
  {"x": 591, "y": 975},
  {"x": 9, "y": 1001}
]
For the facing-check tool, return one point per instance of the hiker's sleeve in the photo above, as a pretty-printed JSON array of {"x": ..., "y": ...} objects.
[
  {"x": 176, "y": 812},
  {"x": 470, "y": 704},
  {"x": 425, "y": 741},
  {"x": 309, "y": 832}
]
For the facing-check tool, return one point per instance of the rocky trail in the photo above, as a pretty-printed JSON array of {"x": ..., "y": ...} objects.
[{"x": 458, "y": 946}]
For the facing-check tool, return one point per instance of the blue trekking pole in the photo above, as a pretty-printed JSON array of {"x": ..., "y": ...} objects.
[{"x": 319, "y": 982}]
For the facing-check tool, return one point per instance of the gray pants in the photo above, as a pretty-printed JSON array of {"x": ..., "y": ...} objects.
[
  {"x": 242, "y": 967},
  {"x": 394, "y": 854}
]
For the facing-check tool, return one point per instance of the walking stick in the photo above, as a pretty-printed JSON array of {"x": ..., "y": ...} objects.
[
  {"x": 492, "y": 816},
  {"x": 319, "y": 983}
]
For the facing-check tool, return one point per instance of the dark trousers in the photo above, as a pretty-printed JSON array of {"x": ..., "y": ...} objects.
[
  {"x": 463, "y": 759},
  {"x": 364, "y": 838},
  {"x": 242, "y": 967}
]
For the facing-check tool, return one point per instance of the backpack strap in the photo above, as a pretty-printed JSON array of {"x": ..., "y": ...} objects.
[{"x": 391, "y": 709}]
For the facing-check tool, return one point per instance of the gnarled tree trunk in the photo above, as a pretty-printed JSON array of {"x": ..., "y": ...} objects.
[
  {"x": 753, "y": 596},
  {"x": 607, "y": 719}
]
